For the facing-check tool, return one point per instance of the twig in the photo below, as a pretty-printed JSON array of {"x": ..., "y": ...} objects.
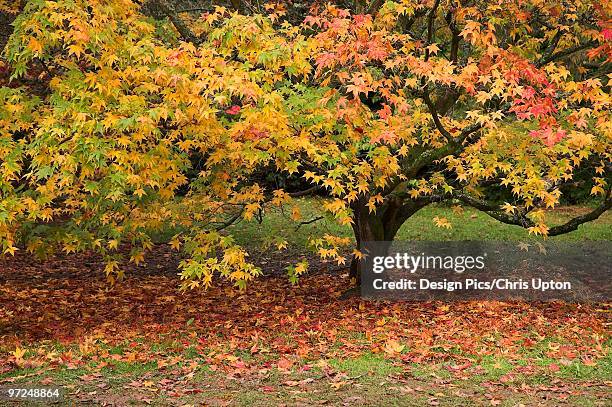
[
  {"x": 304, "y": 192},
  {"x": 308, "y": 222}
]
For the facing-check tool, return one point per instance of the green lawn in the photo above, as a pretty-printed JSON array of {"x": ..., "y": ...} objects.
[
  {"x": 467, "y": 224},
  {"x": 365, "y": 380}
]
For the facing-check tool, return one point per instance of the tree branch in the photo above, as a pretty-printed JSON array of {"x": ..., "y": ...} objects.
[
  {"x": 430, "y": 26},
  {"x": 192, "y": 10},
  {"x": 230, "y": 221},
  {"x": 565, "y": 53},
  {"x": 375, "y": 6},
  {"x": 520, "y": 218},
  {"x": 408, "y": 22},
  {"x": 169, "y": 10},
  {"x": 550, "y": 46},
  {"x": 452, "y": 26},
  {"x": 308, "y": 222},
  {"x": 436, "y": 118},
  {"x": 573, "y": 224},
  {"x": 304, "y": 192}
]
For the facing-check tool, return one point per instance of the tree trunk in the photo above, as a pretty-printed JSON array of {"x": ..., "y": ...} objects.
[
  {"x": 381, "y": 226},
  {"x": 237, "y": 5}
]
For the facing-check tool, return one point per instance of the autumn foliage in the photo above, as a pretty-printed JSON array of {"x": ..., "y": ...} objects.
[{"x": 115, "y": 126}]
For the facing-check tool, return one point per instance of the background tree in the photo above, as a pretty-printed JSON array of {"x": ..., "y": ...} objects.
[{"x": 124, "y": 125}]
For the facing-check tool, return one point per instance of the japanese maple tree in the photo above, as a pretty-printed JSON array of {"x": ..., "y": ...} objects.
[{"x": 122, "y": 126}]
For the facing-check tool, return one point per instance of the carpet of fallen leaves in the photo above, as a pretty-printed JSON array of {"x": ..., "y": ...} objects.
[{"x": 65, "y": 300}]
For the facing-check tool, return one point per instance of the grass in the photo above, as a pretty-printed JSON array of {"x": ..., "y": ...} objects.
[
  {"x": 368, "y": 364},
  {"x": 369, "y": 379},
  {"x": 467, "y": 224},
  {"x": 373, "y": 379}
]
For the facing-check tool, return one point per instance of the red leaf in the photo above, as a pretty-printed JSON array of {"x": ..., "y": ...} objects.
[
  {"x": 284, "y": 364},
  {"x": 235, "y": 109}
]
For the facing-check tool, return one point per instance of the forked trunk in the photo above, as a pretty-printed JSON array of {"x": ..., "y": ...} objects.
[{"x": 381, "y": 226}]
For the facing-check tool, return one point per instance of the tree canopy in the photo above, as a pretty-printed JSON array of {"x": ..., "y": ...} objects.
[{"x": 115, "y": 125}]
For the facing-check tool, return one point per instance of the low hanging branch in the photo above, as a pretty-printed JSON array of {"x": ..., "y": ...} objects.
[
  {"x": 308, "y": 222},
  {"x": 229, "y": 222},
  {"x": 519, "y": 217},
  {"x": 573, "y": 224},
  {"x": 305, "y": 192}
]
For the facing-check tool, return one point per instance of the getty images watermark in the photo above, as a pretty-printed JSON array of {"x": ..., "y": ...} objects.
[
  {"x": 486, "y": 270},
  {"x": 458, "y": 264}
]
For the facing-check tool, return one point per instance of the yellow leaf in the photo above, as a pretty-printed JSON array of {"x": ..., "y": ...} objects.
[
  {"x": 10, "y": 250},
  {"x": 442, "y": 222},
  {"x": 137, "y": 258},
  {"x": 18, "y": 353},
  {"x": 508, "y": 208},
  {"x": 175, "y": 243},
  {"x": 35, "y": 46},
  {"x": 392, "y": 347},
  {"x": 296, "y": 214}
]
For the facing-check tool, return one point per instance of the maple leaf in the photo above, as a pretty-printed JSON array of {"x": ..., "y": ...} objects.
[
  {"x": 471, "y": 27},
  {"x": 581, "y": 123},
  {"x": 326, "y": 60},
  {"x": 508, "y": 208},
  {"x": 549, "y": 136},
  {"x": 433, "y": 48},
  {"x": 359, "y": 85},
  {"x": 386, "y": 136},
  {"x": 233, "y": 110},
  {"x": 284, "y": 364},
  {"x": 35, "y": 46},
  {"x": 442, "y": 222},
  {"x": 393, "y": 347},
  {"x": 18, "y": 353}
]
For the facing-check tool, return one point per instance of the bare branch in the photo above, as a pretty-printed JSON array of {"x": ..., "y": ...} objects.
[
  {"x": 550, "y": 46},
  {"x": 230, "y": 221},
  {"x": 430, "y": 26},
  {"x": 169, "y": 10},
  {"x": 565, "y": 53},
  {"x": 193, "y": 10},
  {"x": 308, "y": 222},
  {"x": 573, "y": 224},
  {"x": 456, "y": 38},
  {"x": 436, "y": 118},
  {"x": 375, "y": 6},
  {"x": 304, "y": 192},
  {"x": 408, "y": 22}
]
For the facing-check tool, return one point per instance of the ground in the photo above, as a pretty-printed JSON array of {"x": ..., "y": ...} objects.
[{"x": 144, "y": 342}]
